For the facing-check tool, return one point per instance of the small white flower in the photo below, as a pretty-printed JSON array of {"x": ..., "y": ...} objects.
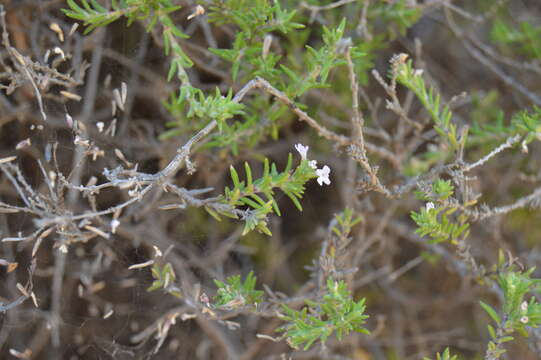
[
  {"x": 429, "y": 206},
  {"x": 157, "y": 251},
  {"x": 323, "y": 175},
  {"x": 312, "y": 164},
  {"x": 524, "y": 306},
  {"x": 524, "y": 319},
  {"x": 303, "y": 150},
  {"x": 418, "y": 72},
  {"x": 100, "y": 126},
  {"x": 63, "y": 249},
  {"x": 114, "y": 224}
]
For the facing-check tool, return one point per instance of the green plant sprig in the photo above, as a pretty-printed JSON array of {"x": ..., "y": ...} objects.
[
  {"x": 517, "y": 313},
  {"x": 441, "y": 115},
  {"x": 336, "y": 313},
  {"x": 215, "y": 106},
  {"x": 440, "y": 190},
  {"x": 164, "y": 278},
  {"x": 291, "y": 77},
  {"x": 346, "y": 221},
  {"x": 249, "y": 193},
  {"x": 435, "y": 222},
  {"x": 446, "y": 355},
  {"x": 399, "y": 15},
  {"x": 526, "y": 123},
  {"x": 255, "y": 19},
  {"x": 526, "y": 37},
  {"x": 94, "y": 15},
  {"x": 233, "y": 293},
  {"x": 319, "y": 63}
]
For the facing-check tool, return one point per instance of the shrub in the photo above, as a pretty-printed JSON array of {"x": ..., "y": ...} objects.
[{"x": 228, "y": 164}]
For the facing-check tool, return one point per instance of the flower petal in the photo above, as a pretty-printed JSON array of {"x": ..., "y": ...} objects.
[
  {"x": 303, "y": 150},
  {"x": 323, "y": 175}
]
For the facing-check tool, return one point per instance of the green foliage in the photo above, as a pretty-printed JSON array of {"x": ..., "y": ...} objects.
[
  {"x": 446, "y": 355},
  {"x": 526, "y": 38},
  {"x": 248, "y": 130},
  {"x": 441, "y": 114},
  {"x": 493, "y": 130},
  {"x": 526, "y": 123},
  {"x": 346, "y": 221},
  {"x": 422, "y": 163},
  {"x": 515, "y": 285},
  {"x": 517, "y": 313},
  {"x": 251, "y": 54},
  {"x": 440, "y": 190},
  {"x": 255, "y": 19},
  {"x": 399, "y": 14},
  {"x": 337, "y": 312},
  {"x": 385, "y": 22},
  {"x": 485, "y": 105},
  {"x": 318, "y": 63},
  {"x": 435, "y": 222},
  {"x": 164, "y": 276},
  {"x": 234, "y": 293},
  {"x": 342, "y": 225},
  {"x": 95, "y": 15},
  {"x": 191, "y": 102},
  {"x": 258, "y": 195},
  {"x": 259, "y": 19},
  {"x": 294, "y": 75}
]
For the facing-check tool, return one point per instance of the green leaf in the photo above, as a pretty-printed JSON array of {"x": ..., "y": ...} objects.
[
  {"x": 248, "y": 174},
  {"x": 491, "y": 331},
  {"x": 491, "y": 312},
  {"x": 234, "y": 176}
]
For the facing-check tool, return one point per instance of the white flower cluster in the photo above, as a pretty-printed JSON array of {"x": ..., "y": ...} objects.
[
  {"x": 323, "y": 173},
  {"x": 524, "y": 309}
]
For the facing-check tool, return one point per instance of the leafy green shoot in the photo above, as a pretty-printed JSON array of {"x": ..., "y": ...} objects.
[
  {"x": 337, "y": 313},
  {"x": 235, "y": 293}
]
